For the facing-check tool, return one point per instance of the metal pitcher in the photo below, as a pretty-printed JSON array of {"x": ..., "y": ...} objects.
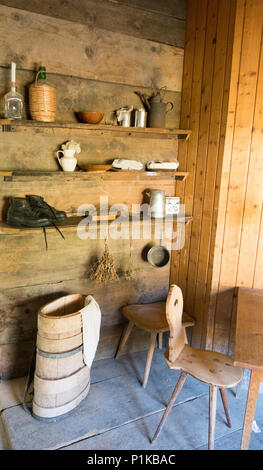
[
  {"x": 124, "y": 116},
  {"x": 157, "y": 203},
  {"x": 158, "y": 111}
]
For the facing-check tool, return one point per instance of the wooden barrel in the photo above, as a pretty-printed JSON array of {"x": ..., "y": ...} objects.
[{"x": 61, "y": 378}]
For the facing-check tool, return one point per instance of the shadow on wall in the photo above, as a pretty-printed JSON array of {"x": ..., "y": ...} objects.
[
  {"x": 16, "y": 356},
  {"x": 225, "y": 320}
]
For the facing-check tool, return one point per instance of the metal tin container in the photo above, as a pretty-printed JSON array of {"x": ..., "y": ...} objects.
[
  {"x": 126, "y": 122},
  {"x": 140, "y": 118}
]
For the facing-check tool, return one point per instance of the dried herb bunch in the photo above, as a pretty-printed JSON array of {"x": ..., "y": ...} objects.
[{"x": 104, "y": 269}]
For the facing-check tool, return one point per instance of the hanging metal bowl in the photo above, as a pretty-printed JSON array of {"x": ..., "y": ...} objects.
[{"x": 158, "y": 256}]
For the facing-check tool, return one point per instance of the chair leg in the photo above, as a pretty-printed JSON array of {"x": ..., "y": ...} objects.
[
  {"x": 149, "y": 358},
  {"x": 225, "y": 405},
  {"x": 175, "y": 393},
  {"x": 124, "y": 339},
  {"x": 160, "y": 340},
  {"x": 212, "y": 416}
]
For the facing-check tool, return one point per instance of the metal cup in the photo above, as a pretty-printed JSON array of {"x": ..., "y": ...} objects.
[
  {"x": 126, "y": 121},
  {"x": 140, "y": 118}
]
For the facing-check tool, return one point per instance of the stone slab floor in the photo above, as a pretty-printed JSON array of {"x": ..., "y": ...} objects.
[{"x": 119, "y": 414}]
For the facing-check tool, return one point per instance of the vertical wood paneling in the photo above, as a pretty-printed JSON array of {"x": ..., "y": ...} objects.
[
  {"x": 221, "y": 179},
  {"x": 212, "y": 157},
  {"x": 224, "y": 157},
  {"x": 225, "y": 294},
  {"x": 254, "y": 191},
  {"x": 196, "y": 91},
  {"x": 244, "y": 194},
  {"x": 251, "y": 223},
  {"x": 207, "y": 96},
  {"x": 202, "y": 160}
]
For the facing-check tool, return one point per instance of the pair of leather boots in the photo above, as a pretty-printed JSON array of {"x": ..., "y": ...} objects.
[{"x": 33, "y": 211}]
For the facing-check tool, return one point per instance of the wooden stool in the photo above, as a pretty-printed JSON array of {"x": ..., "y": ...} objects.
[
  {"x": 152, "y": 318},
  {"x": 212, "y": 368}
]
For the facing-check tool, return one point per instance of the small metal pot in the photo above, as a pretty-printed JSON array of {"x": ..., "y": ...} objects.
[{"x": 158, "y": 256}]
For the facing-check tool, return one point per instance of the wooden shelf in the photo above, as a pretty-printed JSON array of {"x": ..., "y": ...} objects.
[
  {"x": 87, "y": 129},
  {"x": 121, "y": 175},
  {"x": 71, "y": 224}
]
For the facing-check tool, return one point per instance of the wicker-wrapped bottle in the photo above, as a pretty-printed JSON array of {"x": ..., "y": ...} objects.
[{"x": 42, "y": 98}]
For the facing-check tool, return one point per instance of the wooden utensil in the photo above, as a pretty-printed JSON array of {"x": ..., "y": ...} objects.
[{"x": 96, "y": 167}]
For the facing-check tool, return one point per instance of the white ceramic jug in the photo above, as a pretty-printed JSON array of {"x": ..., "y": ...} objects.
[{"x": 67, "y": 162}]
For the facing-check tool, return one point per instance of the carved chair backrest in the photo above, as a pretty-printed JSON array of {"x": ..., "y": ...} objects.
[{"x": 174, "y": 313}]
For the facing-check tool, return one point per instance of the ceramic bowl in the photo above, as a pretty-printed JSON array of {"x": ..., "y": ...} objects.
[{"x": 90, "y": 117}]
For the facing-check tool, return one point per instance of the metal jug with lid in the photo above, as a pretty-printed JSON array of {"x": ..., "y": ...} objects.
[
  {"x": 157, "y": 203},
  {"x": 158, "y": 111}
]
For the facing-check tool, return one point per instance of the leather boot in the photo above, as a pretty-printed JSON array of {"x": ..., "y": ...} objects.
[
  {"x": 21, "y": 214},
  {"x": 45, "y": 209}
]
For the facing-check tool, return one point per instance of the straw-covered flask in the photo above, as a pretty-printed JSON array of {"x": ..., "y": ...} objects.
[{"x": 42, "y": 98}]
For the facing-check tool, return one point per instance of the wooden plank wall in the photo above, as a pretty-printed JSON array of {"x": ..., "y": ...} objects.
[
  {"x": 222, "y": 103},
  {"x": 238, "y": 257},
  {"x": 101, "y": 72},
  {"x": 205, "y": 94},
  {"x": 97, "y": 60},
  {"x": 162, "y": 22}
]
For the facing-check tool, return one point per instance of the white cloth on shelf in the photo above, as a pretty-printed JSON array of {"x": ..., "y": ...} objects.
[
  {"x": 162, "y": 165},
  {"x": 122, "y": 164},
  {"x": 91, "y": 320}
]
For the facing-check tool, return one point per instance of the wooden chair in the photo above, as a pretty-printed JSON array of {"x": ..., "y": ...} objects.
[
  {"x": 210, "y": 367},
  {"x": 152, "y": 318}
]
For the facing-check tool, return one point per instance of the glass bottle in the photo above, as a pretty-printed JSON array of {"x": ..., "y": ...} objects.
[
  {"x": 41, "y": 79},
  {"x": 13, "y": 101}
]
